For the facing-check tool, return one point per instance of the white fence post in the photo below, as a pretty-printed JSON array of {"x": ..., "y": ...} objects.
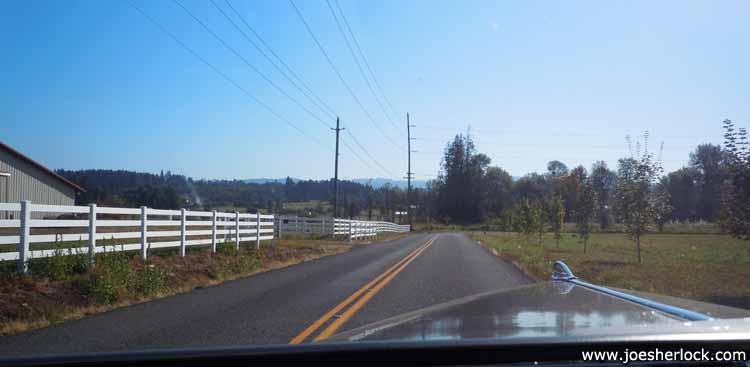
[
  {"x": 144, "y": 233},
  {"x": 281, "y": 226},
  {"x": 257, "y": 232},
  {"x": 92, "y": 232},
  {"x": 213, "y": 232},
  {"x": 237, "y": 230},
  {"x": 183, "y": 227},
  {"x": 25, "y": 229},
  {"x": 350, "y": 230},
  {"x": 304, "y": 228}
]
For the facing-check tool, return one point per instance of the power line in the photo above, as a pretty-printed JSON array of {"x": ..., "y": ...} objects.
[
  {"x": 367, "y": 64},
  {"x": 341, "y": 78},
  {"x": 549, "y": 133},
  {"x": 359, "y": 66},
  {"x": 289, "y": 69},
  {"x": 370, "y": 155},
  {"x": 248, "y": 64},
  {"x": 307, "y": 92},
  {"x": 247, "y": 93},
  {"x": 356, "y": 155},
  {"x": 225, "y": 76}
]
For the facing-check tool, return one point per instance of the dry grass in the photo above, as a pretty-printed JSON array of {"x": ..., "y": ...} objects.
[
  {"x": 28, "y": 303},
  {"x": 705, "y": 267}
]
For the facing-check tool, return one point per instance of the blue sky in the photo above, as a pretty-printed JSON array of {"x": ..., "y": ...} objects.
[{"x": 96, "y": 85}]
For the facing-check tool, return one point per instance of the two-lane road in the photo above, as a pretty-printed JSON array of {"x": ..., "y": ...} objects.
[{"x": 301, "y": 302}]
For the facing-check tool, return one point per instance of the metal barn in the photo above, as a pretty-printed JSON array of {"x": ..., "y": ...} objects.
[{"x": 22, "y": 178}]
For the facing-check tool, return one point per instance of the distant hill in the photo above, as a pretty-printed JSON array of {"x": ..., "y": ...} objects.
[
  {"x": 264, "y": 180},
  {"x": 377, "y": 182},
  {"x": 380, "y": 182},
  {"x": 169, "y": 191}
]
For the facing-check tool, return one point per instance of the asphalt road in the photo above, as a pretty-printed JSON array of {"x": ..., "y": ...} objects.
[{"x": 275, "y": 306}]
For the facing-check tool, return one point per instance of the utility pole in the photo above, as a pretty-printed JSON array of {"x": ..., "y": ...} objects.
[
  {"x": 408, "y": 170},
  {"x": 336, "y": 172}
]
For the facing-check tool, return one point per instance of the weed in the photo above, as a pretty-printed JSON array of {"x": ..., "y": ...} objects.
[
  {"x": 147, "y": 280},
  {"x": 64, "y": 264},
  {"x": 109, "y": 277}
]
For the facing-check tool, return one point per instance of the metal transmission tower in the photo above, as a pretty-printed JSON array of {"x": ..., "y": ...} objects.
[{"x": 336, "y": 172}]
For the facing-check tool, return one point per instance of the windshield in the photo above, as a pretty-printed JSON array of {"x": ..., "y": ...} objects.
[{"x": 210, "y": 173}]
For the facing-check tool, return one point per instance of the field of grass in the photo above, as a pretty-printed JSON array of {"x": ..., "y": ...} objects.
[
  {"x": 705, "y": 267},
  {"x": 307, "y": 205},
  {"x": 674, "y": 228}
]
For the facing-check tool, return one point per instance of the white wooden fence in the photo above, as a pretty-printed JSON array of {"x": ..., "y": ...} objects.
[
  {"x": 155, "y": 228},
  {"x": 355, "y": 229},
  {"x": 145, "y": 228},
  {"x": 301, "y": 226},
  {"x": 327, "y": 226}
]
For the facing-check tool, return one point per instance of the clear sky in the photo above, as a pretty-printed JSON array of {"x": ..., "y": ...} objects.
[{"x": 97, "y": 85}]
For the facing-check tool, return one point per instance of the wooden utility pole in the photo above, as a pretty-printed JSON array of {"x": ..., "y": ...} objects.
[
  {"x": 336, "y": 172},
  {"x": 408, "y": 169}
]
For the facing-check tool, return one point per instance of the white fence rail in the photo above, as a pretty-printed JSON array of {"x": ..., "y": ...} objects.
[
  {"x": 356, "y": 229},
  {"x": 301, "y": 226},
  {"x": 327, "y": 226},
  {"x": 154, "y": 228}
]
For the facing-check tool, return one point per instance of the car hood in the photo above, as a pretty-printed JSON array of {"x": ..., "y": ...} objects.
[{"x": 550, "y": 309}]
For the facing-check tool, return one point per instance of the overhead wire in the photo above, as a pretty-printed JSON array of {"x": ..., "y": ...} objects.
[
  {"x": 341, "y": 78},
  {"x": 225, "y": 76},
  {"x": 309, "y": 94},
  {"x": 367, "y": 64},
  {"x": 359, "y": 66}
]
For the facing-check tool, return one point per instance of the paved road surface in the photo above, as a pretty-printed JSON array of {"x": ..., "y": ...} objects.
[{"x": 275, "y": 306}]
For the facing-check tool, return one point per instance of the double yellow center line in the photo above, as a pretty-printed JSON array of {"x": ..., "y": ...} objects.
[{"x": 360, "y": 297}]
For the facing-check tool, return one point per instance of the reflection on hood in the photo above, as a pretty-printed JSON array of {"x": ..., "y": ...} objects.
[{"x": 551, "y": 309}]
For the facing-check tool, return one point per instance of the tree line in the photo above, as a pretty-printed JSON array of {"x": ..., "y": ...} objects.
[
  {"x": 121, "y": 188},
  {"x": 714, "y": 186}
]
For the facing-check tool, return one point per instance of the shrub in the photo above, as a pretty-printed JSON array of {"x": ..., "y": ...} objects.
[
  {"x": 147, "y": 280},
  {"x": 227, "y": 248},
  {"x": 109, "y": 278},
  {"x": 63, "y": 265},
  {"x": 232, "y": 261}
]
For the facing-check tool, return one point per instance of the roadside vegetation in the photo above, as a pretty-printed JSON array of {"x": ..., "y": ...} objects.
[
  {"x": 683, "y": 234},
  {"x": 705, "y": 267},
  {"x": 66, "y": 286}
]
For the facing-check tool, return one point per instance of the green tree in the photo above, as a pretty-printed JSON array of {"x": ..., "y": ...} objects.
[
  {"x": 459, "y": 181},
  {"x": 603, "y": 182},
  {"x": 585, "y": 212},
  {"x": 497, "y": 191},
  {"x": 529, "y": 219},
  {"x": 735, "y": 198},
  {"x": 683, "y": 193},
  {"x": 557, "y": 218},
  {"x": 636, "y": 202},
  {"x": 557, "y": 169},
  {"x": 708, "y": 162},
  {"x": 538, "y": 219}
]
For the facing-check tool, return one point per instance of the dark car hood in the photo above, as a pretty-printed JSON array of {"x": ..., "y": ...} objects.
[{"x": 549, "y": 309}]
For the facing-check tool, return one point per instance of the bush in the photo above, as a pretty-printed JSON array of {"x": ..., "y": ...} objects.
[
  {"x": 109, "y": 277},
  {"x": 147, "y": 280},
  {"x": 232, "y": 261},
  {"x": 63, "y": 265},
  {"x": 227, "y": 248}
]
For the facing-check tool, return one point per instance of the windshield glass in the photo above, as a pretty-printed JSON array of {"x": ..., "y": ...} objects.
[{"x": 209, "y": 173}]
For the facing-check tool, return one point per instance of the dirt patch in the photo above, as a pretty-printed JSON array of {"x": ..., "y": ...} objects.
[{"x": 28, "y": 302}]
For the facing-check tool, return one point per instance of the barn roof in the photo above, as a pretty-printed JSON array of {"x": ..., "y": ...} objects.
[{"x": 44, "y": 169}]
